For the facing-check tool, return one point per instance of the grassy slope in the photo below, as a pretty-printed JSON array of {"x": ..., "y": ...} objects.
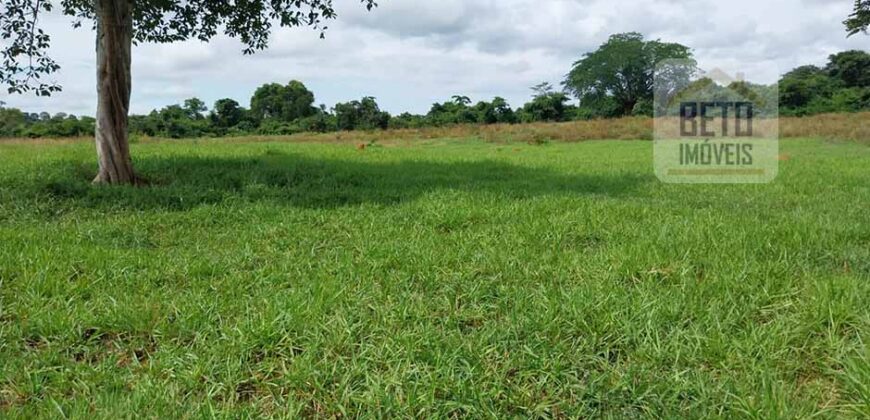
[{"x": 473, "y": 278}]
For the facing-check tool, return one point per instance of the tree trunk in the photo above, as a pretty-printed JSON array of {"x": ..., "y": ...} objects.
[
  {"x": 114, "y": 42},
  {"x": 628, "y": 107}
]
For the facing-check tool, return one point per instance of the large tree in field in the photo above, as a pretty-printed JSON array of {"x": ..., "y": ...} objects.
[
  {"x": 284, "y": 103},
  {"x": 859, "y": 20},
  {"x": 621, "y": 69},
  {"x": 120, "y": 23}
]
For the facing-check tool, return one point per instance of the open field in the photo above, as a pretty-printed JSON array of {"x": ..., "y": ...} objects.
[{"x": 431, "y": 278}]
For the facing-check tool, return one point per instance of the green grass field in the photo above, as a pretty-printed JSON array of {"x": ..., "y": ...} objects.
[{"x": 437, "y": 278}]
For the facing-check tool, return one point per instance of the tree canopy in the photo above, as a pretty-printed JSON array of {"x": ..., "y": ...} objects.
[
  {"x": 546, "y": 105},
  {"x": 621, "y": 70},
  {"x": 859, "y": 20},
  {"x": 25, "y": 62},
  {"x": 283, "y": 103},
  {"x": 852, "y": 68},
  {"x": 843, "y": 85},
  {"x": 363, "y": 115},
  {"x": 227, "y": 113}
]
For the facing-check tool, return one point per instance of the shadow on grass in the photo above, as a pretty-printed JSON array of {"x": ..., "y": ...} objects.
[{"x": 180, "y": 183}]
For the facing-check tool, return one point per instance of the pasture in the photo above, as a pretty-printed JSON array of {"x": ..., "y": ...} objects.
[{"x": 432, "y": 277}]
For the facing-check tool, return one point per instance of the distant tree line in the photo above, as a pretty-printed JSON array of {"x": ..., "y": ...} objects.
[
  {"x": 614, "y": 81},
  {"x": 843, "y": 85},
  {"x": 16, "y": 123}
]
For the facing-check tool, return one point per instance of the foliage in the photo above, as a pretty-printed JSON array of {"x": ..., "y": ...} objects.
[
  {"x": 458, "y": 111},
  {"x": 283, "y": 103},
  {"x": 15, "y": 123},
  {"x": 800, "y": 86},
  {"x": 621, "y": 70},
  {"x": 10, "y": 121},
  {"x": 546, "y": 105},
  {"x": 859, "y": 20},
  {"x": 453, "y": 112},
  {"x": 227, "y": 113},
  {"x": 25, "y": 59},
  {"x": 23, "y": 52},
  {"x": 195, "y": 108},
  {"x": 360, "y": 115},
  {"x": 501, "y": 111},
  {"x": 173, "y": 121},
  {"x": 408, "y": 120},
  {"x": 843, "y": 85},
  {"x": 850, "y": 68}
]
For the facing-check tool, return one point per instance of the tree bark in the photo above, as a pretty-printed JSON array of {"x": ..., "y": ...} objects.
[{"x": 114, "y": 44}]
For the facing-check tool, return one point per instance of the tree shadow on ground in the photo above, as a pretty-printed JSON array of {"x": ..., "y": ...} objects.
[{"x": 184, "y": 182}]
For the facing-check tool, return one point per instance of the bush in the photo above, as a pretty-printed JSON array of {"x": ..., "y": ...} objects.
[{"x": 360, "y": 115}]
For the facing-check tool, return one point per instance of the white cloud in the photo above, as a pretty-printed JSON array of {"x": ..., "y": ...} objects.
[{"x": 410, "y": 53}]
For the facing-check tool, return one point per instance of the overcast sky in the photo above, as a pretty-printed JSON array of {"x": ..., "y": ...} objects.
[{"x": 411, "y": 53}]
